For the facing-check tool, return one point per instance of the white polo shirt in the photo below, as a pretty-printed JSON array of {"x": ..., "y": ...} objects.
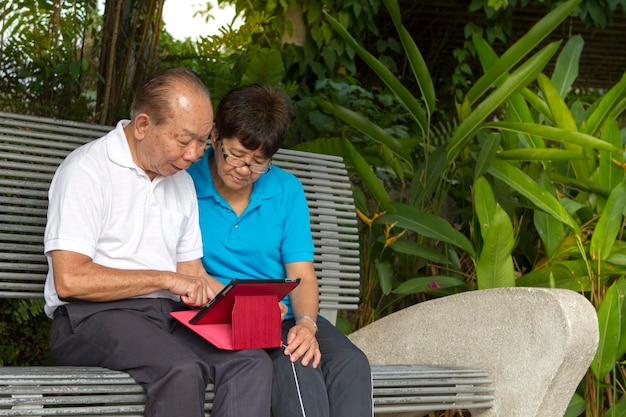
[{"x": 101, "y": 204}]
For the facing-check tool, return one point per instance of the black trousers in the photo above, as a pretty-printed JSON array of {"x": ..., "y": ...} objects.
[
  {"x": 341, "y": 386},
  {"x": 173, "y": 364}
]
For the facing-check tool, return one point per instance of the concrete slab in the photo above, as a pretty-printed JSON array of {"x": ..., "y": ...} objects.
[{"x": 536, "y": 343}]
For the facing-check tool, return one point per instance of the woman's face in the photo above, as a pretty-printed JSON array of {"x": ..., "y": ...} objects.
[{"x": 229, "y": 152}]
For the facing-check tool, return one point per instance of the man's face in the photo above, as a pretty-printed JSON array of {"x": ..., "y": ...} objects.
[{"x": 181, "y": 139}]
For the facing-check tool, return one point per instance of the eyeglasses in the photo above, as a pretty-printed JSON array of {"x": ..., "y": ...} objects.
[{"x": 238, "y": 162}]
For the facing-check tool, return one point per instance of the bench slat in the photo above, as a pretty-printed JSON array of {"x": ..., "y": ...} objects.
[{"x": 418, "y": 388}]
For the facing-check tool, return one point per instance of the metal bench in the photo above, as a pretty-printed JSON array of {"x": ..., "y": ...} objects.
[{"x": 30, "y": 150}]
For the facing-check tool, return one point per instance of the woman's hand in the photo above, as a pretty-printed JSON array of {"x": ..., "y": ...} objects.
[
  {"x": 301, "y": 343},
  {"x": 283, "y": 310}
]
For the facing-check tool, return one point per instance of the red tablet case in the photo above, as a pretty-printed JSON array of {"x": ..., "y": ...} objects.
[{"x": 244, "y": 315}]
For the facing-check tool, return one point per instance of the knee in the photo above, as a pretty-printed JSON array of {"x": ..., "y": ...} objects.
[
  {"x": 255, "y": 363},
  {"x": 354, "y": 362},
  {"x": 187, "y": 370}
]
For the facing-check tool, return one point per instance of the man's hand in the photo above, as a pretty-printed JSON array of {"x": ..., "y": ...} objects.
[{"x": 194, "y": 291}]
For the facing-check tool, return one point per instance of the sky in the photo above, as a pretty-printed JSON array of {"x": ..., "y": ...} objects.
[{"x": 180, "y": 23}]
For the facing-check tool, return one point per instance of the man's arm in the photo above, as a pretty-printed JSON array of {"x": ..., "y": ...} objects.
[
  {"x": 77, "y": 276},
  {"x": 196, "y": 269}
]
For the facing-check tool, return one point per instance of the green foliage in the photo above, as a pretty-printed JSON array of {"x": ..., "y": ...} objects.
[
  {"x": 498, "y": 27},
  {"x": 25, "y": 332},
  {"x": 225, "y": 60},
  {"x": 46, "y": 59},
  {"x": 306, "y": 41},
  {"x": 546, "y": 174}
]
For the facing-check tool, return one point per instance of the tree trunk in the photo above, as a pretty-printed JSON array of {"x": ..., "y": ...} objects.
[
  {"x": 298, "y": 32},
  {"x": 130, "y": 39}
]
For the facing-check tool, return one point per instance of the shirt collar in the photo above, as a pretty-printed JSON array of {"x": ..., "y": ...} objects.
[
  {"x": 117, "y": 146},
  {"x": 265, "y": 187}
]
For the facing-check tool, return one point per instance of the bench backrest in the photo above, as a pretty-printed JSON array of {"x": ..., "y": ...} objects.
[{"x": 31, "y": 148}]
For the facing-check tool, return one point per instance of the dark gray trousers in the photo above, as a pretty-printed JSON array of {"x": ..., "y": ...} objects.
[
  {"x": 173, "y": 364},
  {"x": 341, "y": 386}
]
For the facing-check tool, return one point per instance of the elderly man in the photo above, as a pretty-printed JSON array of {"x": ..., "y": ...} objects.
[{"x": 123, "y": 245}]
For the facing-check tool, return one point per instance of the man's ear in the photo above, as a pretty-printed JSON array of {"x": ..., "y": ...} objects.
[
  {"x": 212, "y": 136},
  {"x": 142, "y": 124}
]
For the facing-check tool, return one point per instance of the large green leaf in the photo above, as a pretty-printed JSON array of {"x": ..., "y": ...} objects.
[
  {"x": 619, "y": 108},
  {"x": 609, "y": 224},
  {"x": 566, "y": 67},
  {"x": 404, "y": 95},
  {"x": 618, "y": 253},
  {"x": 521, "y": 48},
  {"x": 584, "y": 185},
  {"x": 564, "y": 119},
  {"x": 327, "y": 146},
  {"x": 427, "y": 176},
  {"x": 549, "y": 154},
  {"x": 606, "y": 106},
  {"x": 419, "y": 251},
  {"x": 538, "y": 104},
  {"x": 572, "y": 274},
  {"x": 617, "y": 410},
  {"x": 488, "y": 152},
  {"x": 487, "y": 56},
  {"x": 426, "y": 225},
  {"x": 366, "y": 126},
  {"x": 576, "y": 406},
  {"x": 355, "y": 161},
  {"x": 609, "y": 322},
  {"x": 523, "y": 184},
  {"x": 414, "y": 56},
  {"x": 609, "y": 172},
  {"x": 265, "y": 67},
  {"x": 525, "y": 74},
  {"x": 385, "y": 275},
  {"x": 553, "y": 133},
  {"x": 621, "y": 347},
  {"x": 484, "y": 205},
  {"x": 516, "y": 108},
  {"x": 495, "y": 264},
  {"x": 430, "y": 285},
  {"x": 551, "y": 231},
  {"x": 369, "y": 179}
]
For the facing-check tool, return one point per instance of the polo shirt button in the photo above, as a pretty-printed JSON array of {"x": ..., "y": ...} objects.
[{"x": 236, "y": 226}]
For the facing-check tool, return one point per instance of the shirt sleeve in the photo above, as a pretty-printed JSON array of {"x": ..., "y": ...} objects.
[
  {"x": 190, "y": 244},
  {"x": 75, "y": 206},
  {"x": 297, "y": 245}
]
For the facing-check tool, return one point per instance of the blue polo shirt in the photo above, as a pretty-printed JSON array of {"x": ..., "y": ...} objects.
[{"x": 272, "y": 231}]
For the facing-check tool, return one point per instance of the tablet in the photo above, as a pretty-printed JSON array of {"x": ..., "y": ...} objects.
[{"x": 219, "y": 309}]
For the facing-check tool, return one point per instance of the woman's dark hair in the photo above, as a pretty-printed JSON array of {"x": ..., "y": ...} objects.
[
  {"x": 257, "y": 115},
  {"x": 154, "y": 96}
]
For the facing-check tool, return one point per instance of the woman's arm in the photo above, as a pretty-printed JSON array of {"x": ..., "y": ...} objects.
[{"x": 301, "y": 341}]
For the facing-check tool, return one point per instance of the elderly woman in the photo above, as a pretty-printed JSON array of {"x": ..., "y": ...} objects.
[{"x": 255, "y": 224}]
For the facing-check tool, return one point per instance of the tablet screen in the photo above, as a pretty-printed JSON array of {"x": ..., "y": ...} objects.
[{"x": 219, "y": 309}]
